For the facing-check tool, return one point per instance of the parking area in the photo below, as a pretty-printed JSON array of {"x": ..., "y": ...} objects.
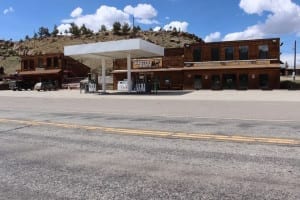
[{"x": 205, "y": 95}]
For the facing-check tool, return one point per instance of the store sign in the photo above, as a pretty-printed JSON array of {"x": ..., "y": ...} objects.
[{"x": 147, "y": 63}]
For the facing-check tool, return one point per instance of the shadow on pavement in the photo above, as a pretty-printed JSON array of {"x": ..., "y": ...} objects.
[{"x": 158, "y": 93}]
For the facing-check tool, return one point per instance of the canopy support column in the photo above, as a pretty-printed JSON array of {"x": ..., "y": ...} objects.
[
  {"x": 129, "y": 72},
  {"x": 103, "y": 75}
]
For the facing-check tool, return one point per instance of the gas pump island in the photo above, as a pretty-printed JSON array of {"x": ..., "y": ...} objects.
[{"x": 130, "y": 49}]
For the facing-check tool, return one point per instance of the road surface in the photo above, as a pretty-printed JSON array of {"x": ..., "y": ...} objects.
[{"x": 147, "y": 148}]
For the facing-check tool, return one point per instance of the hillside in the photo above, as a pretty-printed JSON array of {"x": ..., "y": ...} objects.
[{"x": 10, "y": 51}]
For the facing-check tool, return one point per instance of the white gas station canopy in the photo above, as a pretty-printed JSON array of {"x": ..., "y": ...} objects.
[
  {"x": 132, "y": 48},
  {"x": 137, "y": 48}
]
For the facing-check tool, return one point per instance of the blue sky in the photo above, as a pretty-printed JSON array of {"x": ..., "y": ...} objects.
[{"x": 212, "y": 20}]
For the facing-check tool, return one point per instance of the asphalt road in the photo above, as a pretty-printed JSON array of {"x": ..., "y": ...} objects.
[{"x": 110, "y": 148}]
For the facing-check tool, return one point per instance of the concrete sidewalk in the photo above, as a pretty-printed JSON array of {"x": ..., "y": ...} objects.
[{"x": 201, "y": 95}]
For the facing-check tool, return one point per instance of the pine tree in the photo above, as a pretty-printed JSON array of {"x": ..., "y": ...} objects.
[
  {"x": 27, "y": 37},
  {"x": 35, "y": 35},
  {"x": 117, "y": 28},
  {"x": 125, "y": 28},
  {"x": 43, "y": 32},
  {"x": 55, "y": 31},
  {"x": 85, "y": 31},
  {"x": 74, "y": 30}
]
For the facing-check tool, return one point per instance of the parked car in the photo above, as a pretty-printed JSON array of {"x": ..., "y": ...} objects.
[
  {"x": 20, "y": 85},
  {"x": 45, "y": 86}
]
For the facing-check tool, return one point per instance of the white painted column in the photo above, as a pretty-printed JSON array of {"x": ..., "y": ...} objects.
[
  {"x": 129, "y": 72},
  {"x": 103, "y": 75}
]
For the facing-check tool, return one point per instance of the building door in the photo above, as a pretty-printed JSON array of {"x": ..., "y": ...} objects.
[
  {"x": 198, "y": 82},
  {"x": 216, "y": 82},
  {"x": 264, "y": 81},
  {"x": 243, "y": 81},
  {"x": 229, "y": 81}
]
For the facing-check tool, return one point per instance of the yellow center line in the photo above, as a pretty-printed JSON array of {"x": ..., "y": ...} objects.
[{"x": 166, "y": 134}]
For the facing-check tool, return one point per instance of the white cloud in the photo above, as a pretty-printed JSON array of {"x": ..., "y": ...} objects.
[
  {"x": 8, "y": 10},
  {"x": 62, "y": 28},
  {"x": 147, "y": 21},
  {"x": 216, "y": 36},
  {"x": 67, "y": 21},
  {"x": 157, "y": 28},
  {"x": 144, "y": 13},
  {"x": 283, "y": 18},
  {"x": 105, "y": 15},
  {"x": 252, "y": 32},
  {"x": 76, "y": 12},
  {"x": 180, "y": 26}
]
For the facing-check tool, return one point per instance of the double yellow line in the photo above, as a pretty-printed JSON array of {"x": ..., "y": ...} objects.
[{"x": 165, "y": 134}]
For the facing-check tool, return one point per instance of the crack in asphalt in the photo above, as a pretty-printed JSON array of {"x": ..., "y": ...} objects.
[{"x": 17, "y": 128}]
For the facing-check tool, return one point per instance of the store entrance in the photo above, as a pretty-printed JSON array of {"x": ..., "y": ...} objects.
[
  {"x": 197, "y": 82},
  {"x": 229, "y": 81},
  {"x": 216, "y": 82},
  {"x": 243, "y": 81},
  {"x": 264, "y": 81}
]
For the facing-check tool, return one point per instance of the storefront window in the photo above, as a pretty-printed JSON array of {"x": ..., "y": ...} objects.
[{"x": 229, "y": 81}]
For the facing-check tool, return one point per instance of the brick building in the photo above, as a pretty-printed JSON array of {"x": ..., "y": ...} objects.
[
  {"x": 51, "y": 67},
  {"x": 245, "y": 64}
]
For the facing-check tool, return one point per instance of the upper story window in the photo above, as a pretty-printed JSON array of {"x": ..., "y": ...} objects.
[
  {"x": 49, "y": 62},
  {"x": 197, "y": 55},
  {"x": 40, "y": 63},
  {"x": 55, "y": 62},
  {"x": 31, "y": 64},
  {"x": 215, "y": 54},
  {"x": 263, "y": 51},
  {"x": 25, "y": 65},
  {"x": 243, "y": 51},
  {"x": 229, "y": 53}
]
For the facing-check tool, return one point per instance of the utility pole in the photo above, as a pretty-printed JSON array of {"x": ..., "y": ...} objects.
[
  {"x": 295, "y": 53},
  {"x": 133, "y": 21}
]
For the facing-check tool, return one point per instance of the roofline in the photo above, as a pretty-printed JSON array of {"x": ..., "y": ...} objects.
[{"x": 245, "y": 40}]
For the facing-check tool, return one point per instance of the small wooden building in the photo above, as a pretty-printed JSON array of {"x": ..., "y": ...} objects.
[{"x": 245, "y": 64}]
